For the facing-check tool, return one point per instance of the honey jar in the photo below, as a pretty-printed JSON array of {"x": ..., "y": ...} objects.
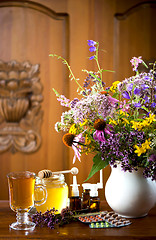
[{"x": 57, "y": 193}]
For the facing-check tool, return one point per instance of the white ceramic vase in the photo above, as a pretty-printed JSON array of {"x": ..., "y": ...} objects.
[{"x": 130, "y": 194}]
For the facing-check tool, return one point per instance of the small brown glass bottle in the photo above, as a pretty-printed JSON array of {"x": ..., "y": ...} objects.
[
  {"x": 86, "y": 195},
  {"x": 75, "y": 200},
  {"x": 94, "y": 199},
  {"x": 75, "y": 203}
]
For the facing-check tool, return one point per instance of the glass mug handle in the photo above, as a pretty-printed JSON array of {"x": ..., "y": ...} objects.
[{"x": 44, "y": 193}]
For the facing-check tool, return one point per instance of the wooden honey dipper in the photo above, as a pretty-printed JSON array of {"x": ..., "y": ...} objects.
[{"x": 48, "y": 173}]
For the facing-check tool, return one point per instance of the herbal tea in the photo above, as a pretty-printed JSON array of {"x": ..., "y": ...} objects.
[
  {"x": 21, "y": 191},
  {"x": 21, "y": 198}
]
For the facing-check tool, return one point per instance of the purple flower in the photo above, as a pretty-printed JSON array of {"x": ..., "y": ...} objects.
[
  {"x": 136, "y": 91},
  {"x": 92, "y": 57},
  {"x": 121, "y": 146},
  {"x": 152, "y": 158},
  {"x": 146, "y": 99},
  {"x": 130, "y": 87},
  {"x": 147, "y": 78},
  {"x": 92, "y": 49},
  {"x": 125, "y": 94},
  {"x": 89, "y": 106},
  {"x": 91, "y": 43},
  {"x": 144, "y": 86},
  {"x": 150, "y": 170},
  {"x": 147, "y": 114},
  {"x": 153, "y": 104},
  {"x": 137, "y": 105},
  {"x": 64, "y": 101},
  {"x": 74, "y": 102}
]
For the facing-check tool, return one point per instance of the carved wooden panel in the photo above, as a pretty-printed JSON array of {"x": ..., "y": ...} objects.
[
  {"x": 30, "y": 31},
  {"x": 20, "y": 108}
]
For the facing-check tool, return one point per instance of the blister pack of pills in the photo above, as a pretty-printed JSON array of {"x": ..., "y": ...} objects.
[{"x": 104, "y": 220}]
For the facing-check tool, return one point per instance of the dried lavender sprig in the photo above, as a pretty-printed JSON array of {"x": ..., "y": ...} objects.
[{"x": 51, "y": 219}]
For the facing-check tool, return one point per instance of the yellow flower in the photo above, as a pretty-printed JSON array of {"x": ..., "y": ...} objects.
[
  {"x": 142, "y": 149},
  {"x": 123, "y": 113},
  {"x": 145, "y": 123},
  {"x": 151, "y": 118},
  {"x": 134, "y": 124},
  {"x": 140, "y": 126},
  {"x": 87, "y": 140},
  {"x": 73, "y": 129},
  {"x": 112, "y": 122},
  {"x": 114, "y": 86},
  {"x": 84, "y": 123},
  {"x": 137, "y": 125},
  {"x": 125, "y": 120},
  {"x": 146, "y": 144},
  {"x": 139, "y": 150},
  {"x": 112, "y": 89}
]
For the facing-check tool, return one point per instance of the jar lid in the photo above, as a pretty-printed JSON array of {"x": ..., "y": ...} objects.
[{"x": 53, "y": 178}]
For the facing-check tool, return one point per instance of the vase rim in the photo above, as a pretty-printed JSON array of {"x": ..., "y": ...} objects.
[{"x": 138, "y": 169}]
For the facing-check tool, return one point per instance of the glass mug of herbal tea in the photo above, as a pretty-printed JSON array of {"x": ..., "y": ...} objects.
[{"x": 21, "y": 197}]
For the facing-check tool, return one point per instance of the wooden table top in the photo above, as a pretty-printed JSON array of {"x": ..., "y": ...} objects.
[{"x": 141, "y": 228}]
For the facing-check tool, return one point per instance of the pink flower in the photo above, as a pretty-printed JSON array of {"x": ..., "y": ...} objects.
[
  {"x": 99, "y": 135},
  {"x": 76, "y": 146},
  {"x": 113, "y": 100},
  {"x": 77, "y": 153},
  {"x": 135, "y": 62}
]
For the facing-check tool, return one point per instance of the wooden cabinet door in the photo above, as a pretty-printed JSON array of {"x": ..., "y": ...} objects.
[
  {"x": 30, "y": 32},
  {"x": 134, "y": 36}
]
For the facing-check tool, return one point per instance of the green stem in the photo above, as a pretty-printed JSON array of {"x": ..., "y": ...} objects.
[
  {"x": 71, "y": 73},
  {"x": 98, "y": 65}
]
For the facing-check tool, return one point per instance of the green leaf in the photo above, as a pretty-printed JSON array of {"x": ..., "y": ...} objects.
[
  {"x": 97, "y": 165},
  {"x": 146, "y": 109},
  {"x": 144, "y": 64},
  {"x": 115, "y": 95},
  {"x": 104, "y": 70}
]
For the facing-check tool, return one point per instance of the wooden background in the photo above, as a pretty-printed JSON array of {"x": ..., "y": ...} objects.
[{"x": 31, "y": 31}]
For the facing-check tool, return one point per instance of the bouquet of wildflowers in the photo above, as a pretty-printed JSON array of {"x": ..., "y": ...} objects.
[{"x": 117, "y": 124}]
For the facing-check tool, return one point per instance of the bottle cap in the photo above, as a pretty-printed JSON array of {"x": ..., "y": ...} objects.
[
  {"x": 94, "y": 190},
  {"x": 75, "y": 189},
  {"x": 86, "y": 186}
]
